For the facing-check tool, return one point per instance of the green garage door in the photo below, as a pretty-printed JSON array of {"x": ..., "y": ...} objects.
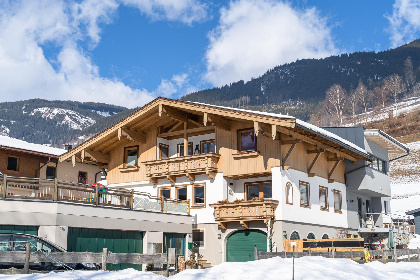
[
  {"x": 19, "y": 229},
  {"x": 240, "y": 245},
  {"x": 117, "y": 241}
]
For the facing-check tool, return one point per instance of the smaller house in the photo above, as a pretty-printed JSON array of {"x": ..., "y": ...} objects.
[{"x": 19, "y": 158}]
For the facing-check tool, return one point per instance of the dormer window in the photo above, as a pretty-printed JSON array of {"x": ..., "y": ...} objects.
[{"x": 247, "y": 141}]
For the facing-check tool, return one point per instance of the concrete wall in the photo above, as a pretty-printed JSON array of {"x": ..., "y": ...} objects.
[
  {"x": 369, "y": 181},
  {"x": 53, "y": 218}
]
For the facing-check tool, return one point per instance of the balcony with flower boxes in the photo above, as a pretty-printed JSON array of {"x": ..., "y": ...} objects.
[
  {"x": 188, "y": 166},
  {"x": 244, "y": 211}
]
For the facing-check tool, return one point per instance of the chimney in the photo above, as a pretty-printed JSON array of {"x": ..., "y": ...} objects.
[{"x": 68, "y": 147}]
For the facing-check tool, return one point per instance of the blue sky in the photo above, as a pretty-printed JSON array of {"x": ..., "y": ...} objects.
[{"x": 127, "y": 52}]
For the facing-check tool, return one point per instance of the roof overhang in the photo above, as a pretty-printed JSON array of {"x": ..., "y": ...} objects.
[
  {"x": 386, "y": 141},
  {"x": 161, "y": 109},
  {"x": 35, "y": 153}
]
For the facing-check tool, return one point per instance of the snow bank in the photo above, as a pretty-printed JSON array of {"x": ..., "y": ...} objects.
[{"x": 275, "y": 268}]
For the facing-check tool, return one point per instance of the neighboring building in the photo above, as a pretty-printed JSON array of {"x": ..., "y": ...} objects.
[
  {"x": 252, "y": 178},
  {"x": 68, "y": 211},
  {"x": 23, "y": 159}
]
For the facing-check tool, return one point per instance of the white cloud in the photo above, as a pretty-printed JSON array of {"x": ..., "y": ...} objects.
[
  {"x": 25, "y": 72},
  {"x": 255, "y": 35},
  {"x": 404, "y": 23}
]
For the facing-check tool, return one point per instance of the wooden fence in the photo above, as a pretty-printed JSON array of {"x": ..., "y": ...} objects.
[
  {"x": 377, "y": 254},
  {"x": 26, "y": 257},
  {"x": 57, "y": 190}
]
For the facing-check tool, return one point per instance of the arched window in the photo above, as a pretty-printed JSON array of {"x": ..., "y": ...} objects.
[
  {"x": 311, "y": 236},
  {"x": 289, "y": 193},
  {"x": 325, "y": 236},
  {"x": 295, "y": 236}
]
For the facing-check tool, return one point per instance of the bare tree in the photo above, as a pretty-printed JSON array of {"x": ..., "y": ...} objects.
[
  {"x": 410, "y": 77},
  {"x": 353, "y": 102},
  {"x": 335, "y": 99},
  {"x": 364, "y": 96},
  {"x": 380, "y": 96},
  {"x": 394, "y": 85}
]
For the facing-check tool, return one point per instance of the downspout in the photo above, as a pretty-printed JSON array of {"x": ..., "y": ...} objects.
[
  {"x": 36, "y": 172},
  {"x": 408, "y": 153},
  {"x": 96, "y": 175}
]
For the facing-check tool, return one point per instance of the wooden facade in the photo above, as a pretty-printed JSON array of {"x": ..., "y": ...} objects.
[
  {"x": 29, "y": 164},
  {"x": 279, "y": 143}
]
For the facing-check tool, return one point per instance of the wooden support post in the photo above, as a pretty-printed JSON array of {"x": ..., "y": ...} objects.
[
  {"x": 255, "y": 253},
  {"x": 309, "y": 251},
  {"x": 27, "y": 257},
  {"x": 383, "y": 255},
  {"x": 333, "y": 251},
  {"x": 104, "y": 258},
  {"x": 131, "y": 199},
  {"x": 96, "y": 198},
  {"x": 185, "y": 139},
  {"x": 273, "y": 131},
  {"x": 4, "y": 190},
  {"x": 408, "y": 254},
  {"x": 285, "y": 253},
  {"x": 55, "y": 197},
  {"x": 73, "y": 160},
  {"x": 395, "y": 253},
  {"x": 256, "y": 128},
  {"x": 351, "y": 253}
]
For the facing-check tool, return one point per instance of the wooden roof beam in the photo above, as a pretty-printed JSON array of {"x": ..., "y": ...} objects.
[
  {"x": 218, "y": 121},
  {"x": 98, "y": 156},
  {"x": 319, "y": 152},
  {"x": 131, "y": 135},
  {"x": 173, "y": 113}
]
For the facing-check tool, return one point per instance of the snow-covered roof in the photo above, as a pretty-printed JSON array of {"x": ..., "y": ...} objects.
[
  {"x": 9, "y": 142},
  {"x": 307, "y": 126},
  {"x": 388, "y": 142},
  {"x": 248, "y": 111}
]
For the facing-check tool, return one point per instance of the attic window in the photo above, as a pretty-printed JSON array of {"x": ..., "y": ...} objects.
[
  {"x": 13, "y": 163},
  {"x": 247, "y": 141}
]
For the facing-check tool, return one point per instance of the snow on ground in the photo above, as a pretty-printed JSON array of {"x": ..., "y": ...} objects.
[
  {"x": 405, "y": 181},
  {"x": 414, "y": 242},
  {"x": 403, "y": 107},
  {"x": 274, "y": 268}
]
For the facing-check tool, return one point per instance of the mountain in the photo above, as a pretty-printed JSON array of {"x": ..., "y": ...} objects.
[
  {"x": 305, "y": 81},
  {"x": 56, "y": 122}
]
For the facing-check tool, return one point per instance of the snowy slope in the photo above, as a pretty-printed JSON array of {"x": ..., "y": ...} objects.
[
  {"x": 402, "y": 107},
  {"x": 270, "y": 269},
  {"x": 64, "y": 117},
  {"x": 405, "y": 181}
]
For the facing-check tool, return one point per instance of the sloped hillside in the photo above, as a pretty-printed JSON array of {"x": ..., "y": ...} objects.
[{"x": 52, "y": 122}]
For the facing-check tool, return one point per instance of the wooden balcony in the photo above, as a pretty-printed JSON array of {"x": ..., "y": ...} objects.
[
  {"x": 244, "y": 212},
  {"x": 182, "y": 166}
]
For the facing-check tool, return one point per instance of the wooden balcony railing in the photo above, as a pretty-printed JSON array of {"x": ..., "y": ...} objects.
[
  {"x": 57, "y": 190},
  {"x": 244, "y": 211},
  {"x": 182, "y": 166}
]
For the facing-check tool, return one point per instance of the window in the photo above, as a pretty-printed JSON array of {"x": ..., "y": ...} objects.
[
  {"x": 198, "y": 237},
  {"x": 304, "y": 194},
  {"x": 208, "y": 146},
  {"x": 386, "y": 207},
  {"x": 13, "y": 163},
  {"x": 163, "y": 151},
  {"x": 323, "y": 198},
  {"x": 50, "y": 174},
  {"x": 378, "y": 164},
  {"x": 82, "y": 177},
  {"x": 311, "y": 236},
  {"x": 367, "y": 206},
  {"x": 295, "y": 236},
  {"x": 180, "y": 149},
  {"x": 131, "y": 156},
  {"x": 289, "y": 193},
  {"x": 337, "y": 201},
  {"x": 247, "y": 141},
  {"x": 199, "y": 197},
  {"x": 258, "y": 190},
  {"x": 181, "y": 193},
  {"x": 165, "y": 193},
  {"x": 325, "y": 236}
]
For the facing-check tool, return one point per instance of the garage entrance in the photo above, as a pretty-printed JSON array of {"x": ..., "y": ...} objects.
[
  {"x": 117, "y": 241},
  {"x": 240, "y": 245}
]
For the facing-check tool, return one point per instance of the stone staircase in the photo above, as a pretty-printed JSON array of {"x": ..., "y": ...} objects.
[{"x": 204, "y": 263}]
